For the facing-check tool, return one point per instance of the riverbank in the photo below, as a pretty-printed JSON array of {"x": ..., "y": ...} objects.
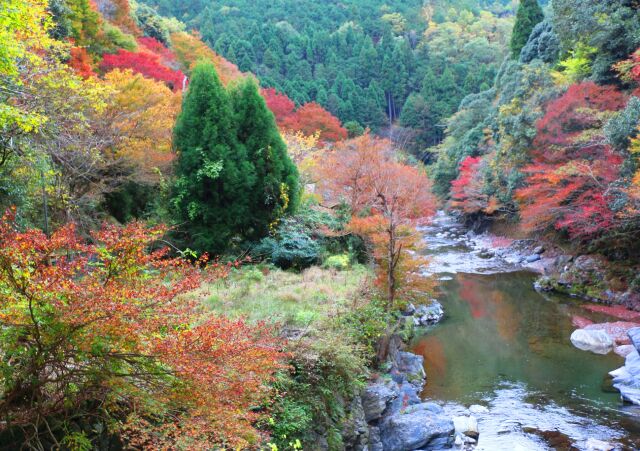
[
  {"x": 505, "y": 346},
  {"x": 566, "y": 270}
]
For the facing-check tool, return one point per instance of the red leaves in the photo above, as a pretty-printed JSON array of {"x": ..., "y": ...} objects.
[
  {"x": 311, "y": 118},
  {"x": 145, "y": 63},
  {"x": 280, "y": 105},
  {"x": 111, "y": 320},
  {"x": 388, "y": 199},
  {"x": 569, "y": 183},
  {"x": 467, "y": 190},
  {"x": 572, "y": 113},
  {"x": 80, "y": 62}
]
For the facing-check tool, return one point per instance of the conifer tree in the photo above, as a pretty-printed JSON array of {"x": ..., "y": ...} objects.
[
  {"x": 275, "y": 190},
  {"x": 214, "y": 177},
  {"x": 528, "y": 16}
]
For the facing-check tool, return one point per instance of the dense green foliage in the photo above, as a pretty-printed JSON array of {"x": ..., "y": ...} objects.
[
  {"x": 528, "y": 16},
  {"x": 362, "y": 60},
  {"x": 233, "y": 174}
]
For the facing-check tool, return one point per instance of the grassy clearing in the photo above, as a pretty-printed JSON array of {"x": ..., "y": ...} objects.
[{"x": 294, "y": 299}]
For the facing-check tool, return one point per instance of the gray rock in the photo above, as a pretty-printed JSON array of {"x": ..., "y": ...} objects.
[
  {"x": 624, "y": 350},
  {"x": 375, "y": 444},
  {"x": 407, "y": 366},
  {"x": 375, "y": 399},
  {"x": 532, "y": 258},
  {"x": 538, "y": 250},
  {"x": 634, "y": 335},
  {"x": 419, "y": 429},
  {"x": 627, "y": 378},
  {"x": 466, "y": 426},
  {"x": 407, "y": 396},
  {"x": 596, "y": 341},
  {"x": 355, "y": 431},
  {"x": 427, "y": 315},
  {"x": 587, "y": 263}
]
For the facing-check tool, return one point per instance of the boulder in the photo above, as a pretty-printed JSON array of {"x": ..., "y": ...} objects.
[
  {"x": 416, "y": 428},
  {"x": 407, "y": 366},
  {"x": 617, "y": 330},
  {"x": 375, "y": 399},
  {"x": 627, "y": 378},
  {"x": 467, "y": 426},
  {"x": 634, "y": 336},
  {"x": 409, "y": 310},
  {"x": 428, "y": 315},
  {"x": 375, "y": 443},
  {"x": 407, "y": 396},
  {"x": 532, "y": 258},
  {"x": 355, "y": 430},
  {"x": 538, "y": 250},
  {"x": 587, "y": 263},
  {"x": 596, "y": 341},
  {"x": 624, "y": 350}
]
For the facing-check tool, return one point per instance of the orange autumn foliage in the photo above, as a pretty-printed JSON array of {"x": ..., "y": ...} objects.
[
  {"x": 190, "y": 49},
  {"x": 104, "y": 326},
  {"x": 139, "y": 117},
  {"x": 80, "y": 62},
  {"x": 311, "y": 118},
  {"x": 388, "y": 200}
]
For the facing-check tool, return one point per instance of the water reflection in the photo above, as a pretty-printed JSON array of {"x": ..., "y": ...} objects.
[{"x": 498, "y": 331}]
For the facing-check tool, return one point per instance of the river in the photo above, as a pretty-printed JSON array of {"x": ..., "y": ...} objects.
[{"x": 505, "y": 346}]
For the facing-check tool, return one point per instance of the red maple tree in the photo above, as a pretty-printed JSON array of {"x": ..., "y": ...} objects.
[
  {"x": 569, "y": 183},
  {"x": 311, "y": 118},
  {"x": 145, "y": 63},
  {"x": 467, "y": 190},
  {"x": 388, "y": 199},
  {"x": 80, "y": 62},
  {"x": 280, "y": 105}
]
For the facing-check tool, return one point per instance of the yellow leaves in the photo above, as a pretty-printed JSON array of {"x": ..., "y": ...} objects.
[
  {"x": 24, "y": 26},
  {"x": 141, "y": 113},
  {"x": 576, "y": 67}
]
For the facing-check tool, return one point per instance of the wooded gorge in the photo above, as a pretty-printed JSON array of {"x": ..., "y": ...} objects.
[{"x": 214, "y": 212}]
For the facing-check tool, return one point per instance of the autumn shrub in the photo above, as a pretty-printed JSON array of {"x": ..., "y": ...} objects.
[
  {"x": 100, "y": 330},
  {"x": 338, "y": 262}
]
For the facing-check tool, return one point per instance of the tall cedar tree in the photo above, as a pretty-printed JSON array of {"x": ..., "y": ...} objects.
[
  {"x": 528, "y": 16},
  {"x": 214, "y": 178},
  {"x": 275, "y": 190}
]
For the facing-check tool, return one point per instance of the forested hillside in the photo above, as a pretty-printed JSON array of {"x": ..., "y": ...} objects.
[{"x": 367, "y": 62}]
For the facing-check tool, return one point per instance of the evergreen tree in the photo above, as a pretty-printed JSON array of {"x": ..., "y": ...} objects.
[
  {"x": 214, "y": 178},
  {"x": 276, "y": 189},
  {"x": 528, "y": 16}
]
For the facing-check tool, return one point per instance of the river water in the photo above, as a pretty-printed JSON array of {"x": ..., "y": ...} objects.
[{"x": 505, "y": 346}]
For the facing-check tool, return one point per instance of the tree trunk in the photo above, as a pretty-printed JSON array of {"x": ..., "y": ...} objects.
[{"x": 391, "y": 276}]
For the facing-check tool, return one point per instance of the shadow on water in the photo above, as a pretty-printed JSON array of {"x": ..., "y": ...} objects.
[{"x": 505, "y": 346}]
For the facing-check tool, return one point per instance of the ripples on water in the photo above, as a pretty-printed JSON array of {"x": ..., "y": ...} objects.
[{"x": 505, "y": 346}]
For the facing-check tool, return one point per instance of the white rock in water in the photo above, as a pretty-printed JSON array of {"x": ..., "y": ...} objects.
[
  {"x": 459, "y": 441},
  {"x": 466, "y": 426},
  {"x": 624, "y": 350},
  {"x": 478, "y": 409},
  {"x": 598, "y": 445},
  {"x": 596, "y": 341}
]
